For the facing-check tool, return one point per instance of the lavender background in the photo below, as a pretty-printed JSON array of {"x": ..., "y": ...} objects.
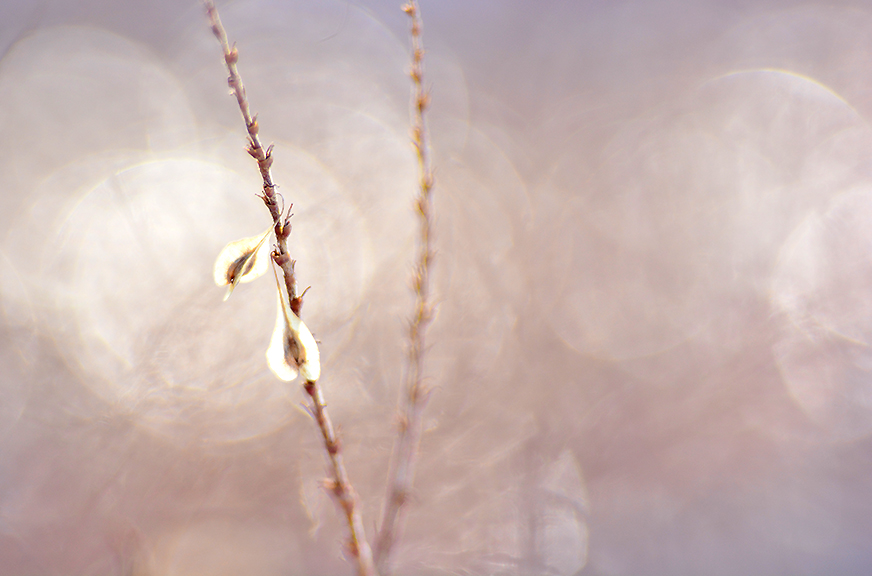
[{"x": 652, "y": 353}]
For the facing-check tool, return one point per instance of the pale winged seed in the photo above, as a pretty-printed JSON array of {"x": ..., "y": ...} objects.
[
  {"x": 282, "y": 364},
  {"x": 292, "y": 348},
  {"x": 241, "y": 261}
]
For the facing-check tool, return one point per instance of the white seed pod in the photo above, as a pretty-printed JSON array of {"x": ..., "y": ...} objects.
[
  {"x": 292, "y": 348},
  {"x": 242, "y": 261}
]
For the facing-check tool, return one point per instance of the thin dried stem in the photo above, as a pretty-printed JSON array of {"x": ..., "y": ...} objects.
[
  {"x": 262, "y": 155},
  {"x": 415, "y": 394},
  {"x": 340, "y": 486}
]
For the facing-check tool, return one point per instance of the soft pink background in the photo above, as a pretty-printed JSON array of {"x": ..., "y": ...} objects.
[{"x": 654, "y": 275}]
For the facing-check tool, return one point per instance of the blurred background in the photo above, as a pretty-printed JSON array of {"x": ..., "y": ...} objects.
[{"x": 652, "y": 351}]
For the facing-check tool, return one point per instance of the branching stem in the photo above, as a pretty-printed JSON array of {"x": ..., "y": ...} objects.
[
  {"x": 340, "y": 486},
  {"x": 262, "y": 155}
]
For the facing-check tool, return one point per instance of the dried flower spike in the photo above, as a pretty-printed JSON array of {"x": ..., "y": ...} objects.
[
  {"x": 241, "y": 261},
  {"x": 292, "y": 347}
]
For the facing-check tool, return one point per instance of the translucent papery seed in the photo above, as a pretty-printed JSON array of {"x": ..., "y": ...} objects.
[
  {"x": 241, "y": 261},
  {"x": 280, "y": 359},
  {"x": 292, "y": 348}
]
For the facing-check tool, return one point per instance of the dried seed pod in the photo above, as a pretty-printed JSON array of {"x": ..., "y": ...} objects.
[
  {"x": 292, "y": 348},
  {"x": 242, "y": 261}
]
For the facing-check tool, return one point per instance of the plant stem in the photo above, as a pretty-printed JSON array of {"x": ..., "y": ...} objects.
[
  {"x": 340, "y": 485},
  {"x": 415, "y": 395},
  {"x": 262, "y": 155}
]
